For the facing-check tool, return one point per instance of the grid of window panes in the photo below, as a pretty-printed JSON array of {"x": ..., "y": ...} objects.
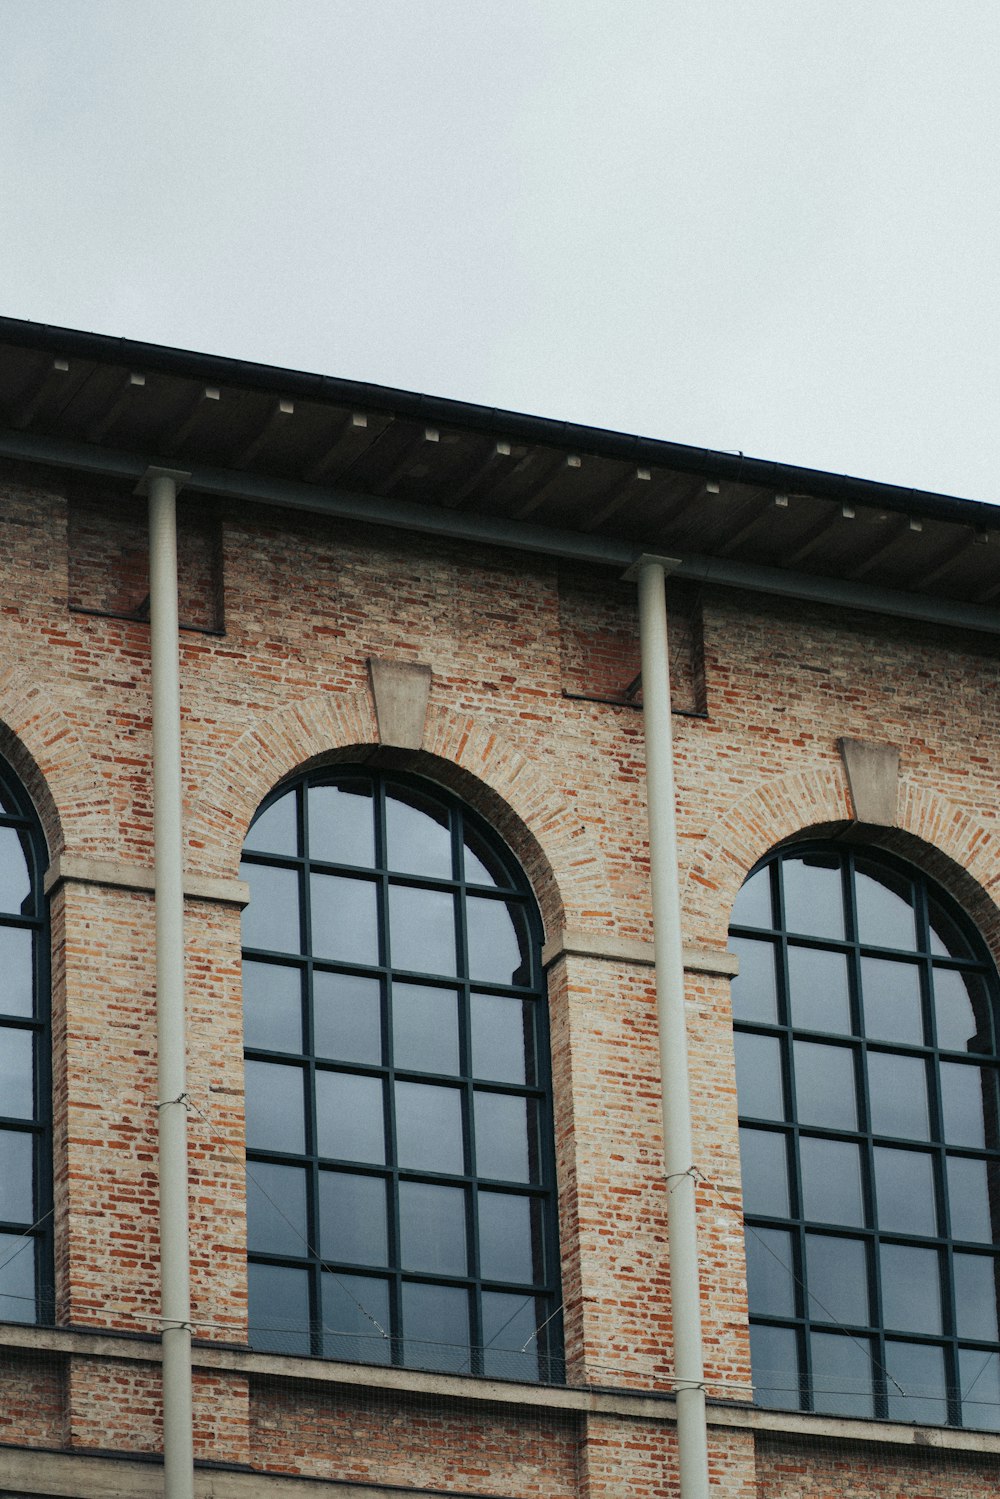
[
  {"x": 25, "y": 1173},
  {"x": 400, "y": 1173},
  {"x": 867, "y": 1079}
]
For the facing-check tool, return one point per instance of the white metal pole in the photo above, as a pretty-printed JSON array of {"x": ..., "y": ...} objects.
[
  {"x": 175, "y": 1293},
  {"x": 692, "y": 1432}
]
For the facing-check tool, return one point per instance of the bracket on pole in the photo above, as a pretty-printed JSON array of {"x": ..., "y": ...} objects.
[{"x": 669, "y": 565}]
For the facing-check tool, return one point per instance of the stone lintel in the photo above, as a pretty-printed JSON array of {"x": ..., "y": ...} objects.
[
  {"x": 401, "y": 690},
  {"x": 76, "y": 870},
  {"x": 574, "y": 942},
  {"x": 873, "y": 779}
]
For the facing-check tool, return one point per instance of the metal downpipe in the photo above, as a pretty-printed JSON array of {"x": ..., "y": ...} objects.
[
  {"x": 175, "y": 1295},
  {"x": 692, "y": 1431}
]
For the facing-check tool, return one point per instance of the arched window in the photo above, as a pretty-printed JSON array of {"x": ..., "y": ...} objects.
[
  {"x": 25, "y": 1087},
  {"x": 399, "y": 1138},
  {"x": 867, "y": 1075}
]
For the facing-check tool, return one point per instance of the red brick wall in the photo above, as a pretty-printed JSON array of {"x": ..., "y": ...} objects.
[{"x": 307, "y": 601}]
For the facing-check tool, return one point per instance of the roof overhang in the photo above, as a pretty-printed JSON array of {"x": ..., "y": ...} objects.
[{"x": 110, "y": 408}]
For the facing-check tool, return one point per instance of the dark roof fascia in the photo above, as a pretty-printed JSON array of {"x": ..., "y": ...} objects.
[{"x": 644, "y": 451}]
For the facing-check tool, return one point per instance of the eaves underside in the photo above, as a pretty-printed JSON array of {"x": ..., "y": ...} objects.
[{"x": 112, "y": 407}]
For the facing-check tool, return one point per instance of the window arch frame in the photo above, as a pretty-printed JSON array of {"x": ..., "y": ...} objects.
[
  {"x": 806, "y": 1318},
  {"x": 512, "y": 890},
  {"x": 18, "y": 814}
]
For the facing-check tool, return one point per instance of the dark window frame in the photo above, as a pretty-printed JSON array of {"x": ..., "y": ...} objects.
[
  {"x": 38, "y": 1232},
  {"x": 539, "y": 1190},
  {"x": 806, "y": 1319}
]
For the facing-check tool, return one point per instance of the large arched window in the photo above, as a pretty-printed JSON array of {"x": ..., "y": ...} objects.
[
  {"x": 400, "y": 1190},
  {"x": 25, "y": 1087},
  {"x": 867, "y": 1073}
]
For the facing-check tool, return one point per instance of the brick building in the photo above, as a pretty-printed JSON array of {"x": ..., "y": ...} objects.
[{"x": 419, "y": 1111}]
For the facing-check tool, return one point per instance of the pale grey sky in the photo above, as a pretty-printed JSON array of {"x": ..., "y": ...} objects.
[{"x": 765, "y": 225}]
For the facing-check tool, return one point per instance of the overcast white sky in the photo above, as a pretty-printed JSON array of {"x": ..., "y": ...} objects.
[{"x": 764, "y": 225}]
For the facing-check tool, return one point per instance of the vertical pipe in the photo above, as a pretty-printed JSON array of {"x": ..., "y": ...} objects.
[
  {"x": 175, "y": 1295},
  {"x": 692, "y": 1434}
]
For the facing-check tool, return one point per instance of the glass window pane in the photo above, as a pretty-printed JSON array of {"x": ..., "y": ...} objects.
[
  {"x": 819, "y": 998},
  {"x": 342, "y": 823},
  {"x": 842, "y": 1375},
  {"x": 753, "y": 990},
  {"x": 499, "y": 946},
  {"x": 350, "y": 1123},
  {"x": 279, "y": 1309},
  {"x": 436, "y": 1328},
  {"x": 911, "y": 1288},
  {"x": 961, "y": 1011},
  {"x": 979, "y": 1380},
  {"x": 968, "y": 1099},
  {"x": 503, "y": 1038},
  {"x": 890, "y": 994},
  {"x": 483, "y": 865},
  {"x": 16, "y": 971},
  {"x": 831, "y": 1182},
  {"x": 17, "y": 1279},
  {"x": 770, "y": 1272},
  {"x": 510, "y": 1237},
  {"x": 511, "y": 1337},
  {"x": 347, "y": 1017},
  {"x": 897, "y": 1092},
  {"x": 506, "y": 1137},
  {"x": 764, "y": 1167},
  {"x": 272, "y": 920},
  {"x": 15, "y": 879},
  {"x": 432, "y": 1228},
  {"x": 17, "y": 1073},
  {"x": 276, "y": 830},
  {"x": 352, "y": 1218},
  {"x": 837, "y": 1276},
  {"x": 774, "y": 1356},
  {"x": 758, "y": 1076},
  {"x": 904, "y": 1191},
  {"x": 356, "y": 1318},
  {"x": 814, "y": 902},
  {"x": 422, "y": 929},
  {"x": 885, "y": 908},
  {"x": 970, "y": 1187},
  {"x": 752, "y": 907},
  {"x": 824, "y": 1085},
  {"x": 417, "y": 835},
  {"x": 429, "y": 1128},
  {"x": 947, "y": 940},
  {"x": 425, "y": 1028},
  {"x": 272, "y": 1007},
  {"x": 276, "y": 1209},
  {"x": 976, "y": 1296},
  {"x": 344, "y": 918},
  {"x": 275, "y": 1107},
  {"x": 918, "y": 1370}
]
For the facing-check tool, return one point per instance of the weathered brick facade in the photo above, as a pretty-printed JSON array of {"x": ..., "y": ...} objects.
[{"x": 529, "y": 721}]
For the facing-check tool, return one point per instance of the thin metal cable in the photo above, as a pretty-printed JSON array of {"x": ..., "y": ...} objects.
[{"x": 300, "y": 1236}]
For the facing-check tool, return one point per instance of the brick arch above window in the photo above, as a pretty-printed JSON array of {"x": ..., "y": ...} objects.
[
  {"x": 476, "y": 759},
  {"x": 53, "y": 763},
  {"x": 946, "y": 841}
]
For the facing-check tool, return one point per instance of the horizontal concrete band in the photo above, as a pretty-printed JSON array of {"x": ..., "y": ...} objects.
[
  {"x": 102, "y": 1476},
  {"x": 577, "y": 943},
  {"x": 74, "y": 870}
]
